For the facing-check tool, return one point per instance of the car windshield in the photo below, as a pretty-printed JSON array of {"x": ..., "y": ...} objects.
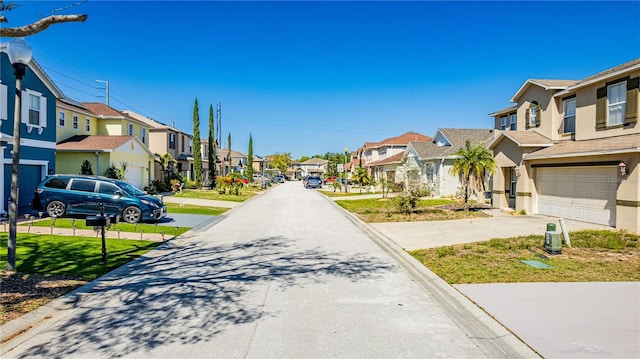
[{"x": 130, "y": 189}]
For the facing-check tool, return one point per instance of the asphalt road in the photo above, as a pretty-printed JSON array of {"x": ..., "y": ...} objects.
[{"x": 286, "y": 274}]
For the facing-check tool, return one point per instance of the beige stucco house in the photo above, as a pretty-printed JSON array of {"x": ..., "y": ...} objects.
[
  {"x": 382, "y": 159},
  {"x": 313, "y": 167},
  {"x": 572, "y": 149}
]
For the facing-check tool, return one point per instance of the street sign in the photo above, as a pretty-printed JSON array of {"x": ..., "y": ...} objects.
[{"x": 340, "y": 168}]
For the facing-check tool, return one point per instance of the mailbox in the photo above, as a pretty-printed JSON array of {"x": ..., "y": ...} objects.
[{"x": 96, "y": 221}]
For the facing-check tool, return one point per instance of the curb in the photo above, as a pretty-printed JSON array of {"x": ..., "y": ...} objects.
[{"x": 488, "y": 334}]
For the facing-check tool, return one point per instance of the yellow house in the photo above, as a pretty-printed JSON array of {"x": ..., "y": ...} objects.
[{"x": 105, "y": 137}]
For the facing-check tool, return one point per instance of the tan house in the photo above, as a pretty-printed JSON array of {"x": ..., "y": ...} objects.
[
  {"x": 572, "y": 149},
  {"x": 168, "y": 139},
  {"x": 313, "y": 167}
]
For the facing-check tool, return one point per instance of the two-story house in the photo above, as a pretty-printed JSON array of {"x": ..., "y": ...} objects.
[
  {"x": 383, "y": 159},
  {"x": 37, "y": 130},
  {"x": 105, "y": 137},
  {"x": 572, "y": 149},
  {"x": 430, "y": 162},
  {"x": 168, "y": 139},
  {"x": 313, "y": 167}
]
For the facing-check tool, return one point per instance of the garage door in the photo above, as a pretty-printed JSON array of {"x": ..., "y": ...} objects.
[
  {"x": 583, "y": 193},
  {"x": 134, "y": 175}
]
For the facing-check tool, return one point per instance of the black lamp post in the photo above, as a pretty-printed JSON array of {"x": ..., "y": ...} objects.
[{"x": 19, "y": 55}]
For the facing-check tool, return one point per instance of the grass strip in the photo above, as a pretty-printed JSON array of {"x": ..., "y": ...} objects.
[
  {"x": 194, "y": 209},
  {"x": 595, "y": 255},
  {"x": 79, "y": 223}
]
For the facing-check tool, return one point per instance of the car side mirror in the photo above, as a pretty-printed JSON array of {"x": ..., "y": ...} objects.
[{"x": 119, "y": 193}]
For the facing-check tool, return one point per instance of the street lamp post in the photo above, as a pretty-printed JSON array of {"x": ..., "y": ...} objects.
[
  {"x": 346, "y": 177},
  {"x": 19, "y": 55}
]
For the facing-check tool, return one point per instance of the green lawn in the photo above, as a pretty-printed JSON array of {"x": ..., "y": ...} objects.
[
  {"x": 247, "y": 192},
  {"x": 71, "y": 256},
  {"x": 376, "y": 210},
  {"x": 337, "y": 193},
  {"x": 192, "y": 209},
  {"x": 594, "y": 256},
  {"x": 122, "y": 226}
]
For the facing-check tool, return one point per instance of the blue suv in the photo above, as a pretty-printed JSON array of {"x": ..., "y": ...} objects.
[{"x": 61, "y": 195}]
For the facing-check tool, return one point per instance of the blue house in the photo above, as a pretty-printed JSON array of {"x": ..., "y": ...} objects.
[{"x": 37, "y": 130}]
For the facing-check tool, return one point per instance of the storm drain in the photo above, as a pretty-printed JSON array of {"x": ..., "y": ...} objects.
[{"x": 536, "y": 264}]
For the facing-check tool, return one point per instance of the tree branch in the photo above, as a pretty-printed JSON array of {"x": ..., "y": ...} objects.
[{"x": 40, "y": 25}]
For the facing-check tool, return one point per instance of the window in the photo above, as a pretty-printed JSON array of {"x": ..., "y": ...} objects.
[
  {"x": 503, "y": 123},
  {"x": 83, "y": 185},
  {"x": 76, "y": 125},
  {"x": 143, "y": 135},
  {"x": 182, "y": 144},
  {"x": 108, "y": 188},
  {"x": 172, "y": 141},
  {"x": 61, "y": 119},
  {"x": 34, "y": 110},
  {"x": 616, "y": 103},
  {"x": 87, "y": 125},
  {"x": 190, "y": 145},
  {"x": 512, "y": 182},
  {"x": 60, "y": 183},
  {"x": 130, "y": 130},
  {"x": 4, "y": 98},
  {"x": 533, "y": 117},
  {"x": 512, "y": 122},
  {"x": 569, "y": 119}
]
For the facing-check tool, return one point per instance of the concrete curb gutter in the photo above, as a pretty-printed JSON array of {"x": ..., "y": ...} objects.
[{"x": 491, "y": 336}]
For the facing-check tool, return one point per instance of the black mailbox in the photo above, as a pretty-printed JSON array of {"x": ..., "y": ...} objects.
[{"x": 96, "y": 221}]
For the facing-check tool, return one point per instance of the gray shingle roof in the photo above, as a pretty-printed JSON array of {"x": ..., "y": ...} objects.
[{"x": 457, "y": 137}]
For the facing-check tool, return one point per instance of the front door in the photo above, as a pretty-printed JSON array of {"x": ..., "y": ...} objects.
[{"x": 512, "y": 187}]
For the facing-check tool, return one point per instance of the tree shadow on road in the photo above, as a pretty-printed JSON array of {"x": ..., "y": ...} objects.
[{"x": 192, "y": 293}]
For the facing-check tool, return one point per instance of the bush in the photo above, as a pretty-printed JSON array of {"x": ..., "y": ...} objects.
[{"x": 406, "y": 203}]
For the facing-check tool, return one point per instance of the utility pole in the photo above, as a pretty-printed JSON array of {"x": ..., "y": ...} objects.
[{"x": 106, "y": 88}]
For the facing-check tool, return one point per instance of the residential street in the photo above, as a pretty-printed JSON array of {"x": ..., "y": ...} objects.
[{"x": 286, "y": 274}]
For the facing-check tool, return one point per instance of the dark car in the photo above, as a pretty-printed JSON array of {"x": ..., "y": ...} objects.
[
  {"x": 69, "y": 195},
  {"x": 313, "y": 182}
]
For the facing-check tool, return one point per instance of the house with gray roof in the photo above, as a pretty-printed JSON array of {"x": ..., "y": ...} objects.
[
  {"x": 571, "y": 148},
  {"x": 430, "y": 162}
]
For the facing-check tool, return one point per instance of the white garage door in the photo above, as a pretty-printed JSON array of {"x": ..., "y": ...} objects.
[
  {"x": 134, "y": 176},
  {"x": 583, "y": 193}
]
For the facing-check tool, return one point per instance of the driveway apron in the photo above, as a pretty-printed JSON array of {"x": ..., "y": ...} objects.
[{"x": 286, "y": 274}]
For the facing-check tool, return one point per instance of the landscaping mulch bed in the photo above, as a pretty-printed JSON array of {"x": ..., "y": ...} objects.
[{"x": 21, "y": 293}]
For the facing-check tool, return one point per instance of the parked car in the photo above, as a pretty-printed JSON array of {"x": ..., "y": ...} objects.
[
  {"x": 331, "y": 179},
  {"x": 313, "y": 182},
  {"x": 278, "y": 179},
  {"x": 69, "y": 195}
]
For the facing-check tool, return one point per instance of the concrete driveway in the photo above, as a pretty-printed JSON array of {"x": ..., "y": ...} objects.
[{"x": 417, "y": 235}]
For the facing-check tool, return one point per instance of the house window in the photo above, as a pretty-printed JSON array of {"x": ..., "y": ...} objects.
[
  {"x": 512, "y": 122},
  {"x": 616, "y": 103},
  {"x": 34, "y": 110},
  {"x": 512, "y": 182},
  {"x": 130, "y": 131},
  {"x": 87, "y": 125},
  {"x": 190, "y": 146},
  {"x": 61, "y": 119},
  {"x": 172, "y": 141},
  {"x": 4, "y": 98},
  {"x": 75, "y": 123},
  {"x": 569, "y": 123},
  {"x": 143, "y": 135},
  {"x": 503, "y": 123},
  {"x": 533, "y": 117}
]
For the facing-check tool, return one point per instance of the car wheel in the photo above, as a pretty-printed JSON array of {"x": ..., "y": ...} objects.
[
  {"x": 56, "y": 209},
  {"x": 131, "y": 214}
]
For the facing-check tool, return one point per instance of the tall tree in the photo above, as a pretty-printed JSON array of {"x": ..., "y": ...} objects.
[
  {"x": 197, "y": 154},
  {"x": 473, "y": 166},
  {"x": 250, "y": 159},
  {"x": 281, "y": 161},
  {"x": 229, "y": 151},
  {"x": 211, "y": 149}
]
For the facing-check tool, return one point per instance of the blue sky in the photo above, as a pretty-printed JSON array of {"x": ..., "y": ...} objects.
[{"x": 315, "y": 77}]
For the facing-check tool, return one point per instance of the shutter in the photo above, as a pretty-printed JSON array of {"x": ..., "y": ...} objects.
[
  {"x": 24, "y": 107},
  {"x": 631, "y": 112},
  {"x": 538, "y": 115},
  {"x": 601, "y": 108},
  {"x": 526, "y": 119},
  {"x": 43, "y": 111},
  {"x": 4, "y": 102}
]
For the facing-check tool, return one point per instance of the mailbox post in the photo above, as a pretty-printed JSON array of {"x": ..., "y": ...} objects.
[{"x": 100, "y": 221}]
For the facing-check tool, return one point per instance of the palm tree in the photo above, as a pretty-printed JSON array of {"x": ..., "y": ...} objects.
[
  {"x": 473, "y": 166},
  {"x": 167, "y": 164},
  {"x": 362, "y": 177}
]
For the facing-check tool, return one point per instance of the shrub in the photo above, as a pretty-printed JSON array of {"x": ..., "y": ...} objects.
[{"x": 406, "y": 203}]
